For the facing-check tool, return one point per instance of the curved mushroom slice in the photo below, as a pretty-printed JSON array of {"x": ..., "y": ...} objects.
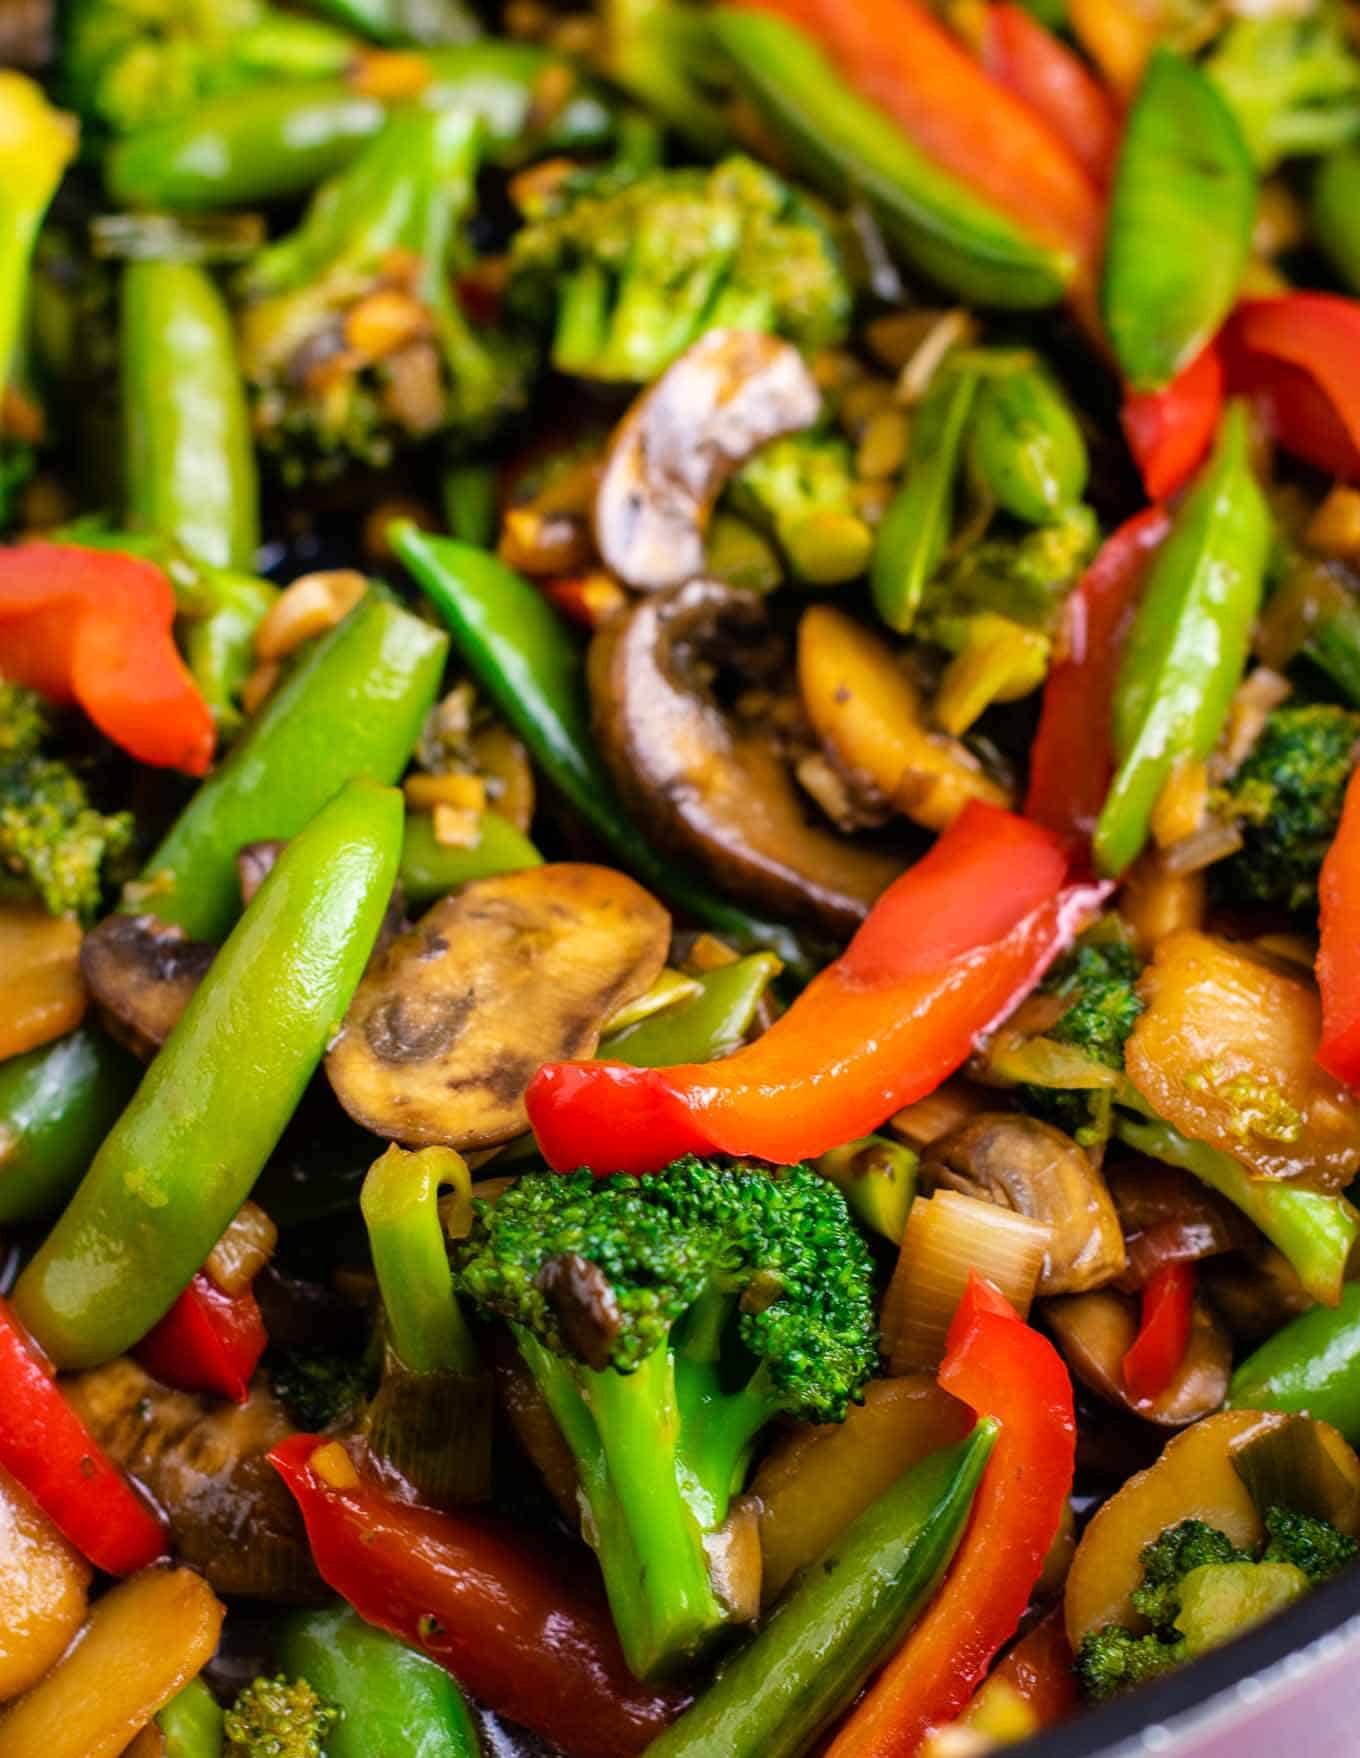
[
  {"x": 142, "y": 972},
  {"x": 452, "y": 1021},
  {"x": 703, "y": 788},
  {"x": 1030, "y": 1167},
  {"x": 670, "y": 456},
  {"x": 1095, "y": 1332}
]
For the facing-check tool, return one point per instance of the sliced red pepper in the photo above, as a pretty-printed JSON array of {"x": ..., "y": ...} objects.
[
  {"x": 946, "y": 952},
  {"x": 1170, "y": 431},
  {"x": 1300, "y": 353},
  {"x": 46, "y": 1447},
  {"x": 1026, "y": 58},
  {"x": 207, "y": 1342},
  {"x": 521, "y": 1634},
  {"x": 1338, "y": 961},
  {"x": 899, "y": 56},
  {"x": 94, "y": 627},
  {"x": 1164, "y": 1331},
  {"x": 1071, "y": 762},
  {"x": 1003, "y": 1369}
]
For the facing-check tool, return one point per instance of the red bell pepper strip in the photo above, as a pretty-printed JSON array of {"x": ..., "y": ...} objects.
[
  {"x": 1026, "y": 58},
  {"x": 516, "y": 1631},
  {"x": 899, "y": 56},
  {"x": 998, "y": 1365},
  {"x": 46, "y": 1447},
  {"x": 1152, "y": 1358},
  {"x": 1338, "y": 960},
  {"x": 1301, "y": 354},
  {"x": 94, "y": 627},
  {"x": 207, "y": 1342},
  {"x": 1071, "y": 762},
  {"x": 1170, "y": 431},
  {"x": 946, "y": 952}
]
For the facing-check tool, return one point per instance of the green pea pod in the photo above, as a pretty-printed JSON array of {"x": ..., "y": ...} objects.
[
  {"x": 878, "y": 1179},
  {"x": 469, "y": 496},
  {"x": 190, "y": 460},
  {"x": 1315, "y": 1232},
  {"x": 282, "y": 140},
  {"x": 56, "y": 1105},
  {"x": 1025, "y": 446},
  {"x": 1181, "y": 214},
  {"x": 183, "y": 1157},
  {"x": 1335, "y": 213},
  {"x": 1189, "y": 642},
  {"x": 850, "y": 149},
  {"x": 844, "y": 1616},
  {"x": 1310, "y": 1366},
  {"x": 710, "y": 1024},
  {"x": 393, "y": 1700},
  {"x": 915, "y": 531},
  {"x": 430, "y": 870},
  {"x": 354, "y": 705},
  {"x": 532, "y": 668},
  {"x": 191, "y": 1723}
]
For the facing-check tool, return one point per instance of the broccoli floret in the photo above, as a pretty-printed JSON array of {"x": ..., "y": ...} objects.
[
  {"x": 1023, "y": 573},
  {"x": 1291, "y": 79},
  {"x": 802, "y": 489},
  {"x": 278, "y": 1718},
  {"x": 318, "y": 1387},
  {"x": 52, "y": 840},
  {"x": 667, "y": 1320},
  {"x": 1113, "y": 1659},
  {"x": 1287, "y": 798},
  {"x": 1099, "y": 978},
  {"x": 1170, "y": 1558},
  {"x": 352, "y": 341},
  {"x": 1310, "y": 1544},
  {"x": 628, "y": 270},
  {"x": 129, "y": 63}
]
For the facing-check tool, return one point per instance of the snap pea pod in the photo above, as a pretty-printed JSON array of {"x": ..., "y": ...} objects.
[
  {"x": 846, "y": 1614},
  {"x": 532, "y": 668},
  {"x": 190, "y": 460},
  {"x": 393, "y": 1700},
  {"x": 429, "y": 869},
  {"x": 1310, "y": 1366},
  {"x": 1025, "y": 446},
  {"x": 1335, "y": 212},
  {"x": 916, "y": 527},
  {"x": 354, "y": 705},
  {"x": 1181, "y": 213},
  {"x": 850, "y": 149},
  {"x": 56, "y": 1105},
  {"x": 185, "y": 1153},
  {"x": 710, "y": 1024},
  {"x": 1189, "y": 642},
  {"x": 191, "y": 1723},
  {"x": 282, "y": 140}
]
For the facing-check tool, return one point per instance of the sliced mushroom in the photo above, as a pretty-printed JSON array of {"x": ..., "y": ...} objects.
[
  {"x": 452, "y": 1021},
  {"x": 1095, "y": 1332},
  {"x": 706, "y": 789},
  {"x": 142, "y": 972},
  {"x": 230, "y": 1515},
  {"x": 728, "y": 395},
  {"x": 1030, "y": 1167}
]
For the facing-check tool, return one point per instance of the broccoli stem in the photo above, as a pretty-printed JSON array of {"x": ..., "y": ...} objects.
[{"x": 643, "y": 1515}]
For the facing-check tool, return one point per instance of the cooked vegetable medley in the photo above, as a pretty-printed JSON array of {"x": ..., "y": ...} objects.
[{"x": 679, "y": 867}]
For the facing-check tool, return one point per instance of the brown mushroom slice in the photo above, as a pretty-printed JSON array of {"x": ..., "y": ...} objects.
[
  {"x": 706, "y": 789},
  {"x": 1033, "y": 1168},
  {"x": 1095, "y": 1332},
  {"x": 454, "y": 1018},
  {"x": 724, "y": 398},
  {"x": 142, "y": 972},
  {"x": 868, "y": 714}
]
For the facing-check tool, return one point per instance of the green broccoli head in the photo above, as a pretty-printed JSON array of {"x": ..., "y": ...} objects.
[
  {"x": 1287, "y": 799},
  {"x": 801, "y": 489},
  {"x": 353, "y": 342},
  {"x": 1099, "y": 981},
  {"x": 1112, "y": 1660},
  {"x": 1022, "y": 572},
  {"x": 1292, "y": 80},
  {"x": 278, "y": 1718},
  {"x": 629, "y": 269},
  {"x": 24, "y": 721},
  {"x": 318, "y": 1387},
  {"x": 1310, "y": 1544},
  {"x": 666, "y": 1320},
  {"x": 1170, "y": 1558}
]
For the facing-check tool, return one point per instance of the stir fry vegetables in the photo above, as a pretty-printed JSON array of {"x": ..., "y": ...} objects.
[{"x": 679, "y": 868}]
